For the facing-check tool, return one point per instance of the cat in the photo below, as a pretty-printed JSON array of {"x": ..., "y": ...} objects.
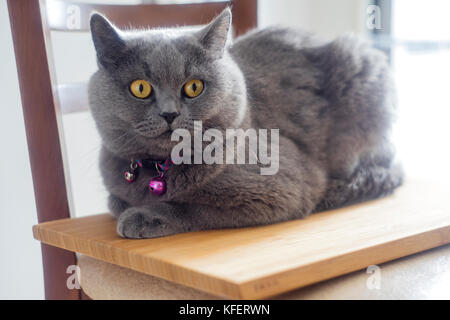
[{"x": 333, "y": 103}]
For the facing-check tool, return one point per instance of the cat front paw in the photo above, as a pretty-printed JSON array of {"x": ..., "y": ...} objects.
[{"x": 136, "y": 223}]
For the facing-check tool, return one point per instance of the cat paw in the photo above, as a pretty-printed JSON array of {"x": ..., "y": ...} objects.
[{"x": 137, "y": 224}]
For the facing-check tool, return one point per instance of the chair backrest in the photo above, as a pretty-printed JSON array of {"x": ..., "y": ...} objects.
[
  {"x": 43, "y": 100},
  {"x": 71, "y": 16}
]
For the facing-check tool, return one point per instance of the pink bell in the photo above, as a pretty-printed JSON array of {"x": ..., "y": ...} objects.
[
  {"x": 157, "y": 186},
  {"x": 129, "y": 176}
]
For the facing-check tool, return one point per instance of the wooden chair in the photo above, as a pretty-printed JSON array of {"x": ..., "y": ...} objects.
[
  {"x": 239, "y": 263},
  {"x": 43, "y": 100}
]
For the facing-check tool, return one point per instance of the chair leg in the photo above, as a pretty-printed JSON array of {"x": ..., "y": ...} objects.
[
  {"x": 84, "y": 296},
  {"x": 55, "y": 262}
]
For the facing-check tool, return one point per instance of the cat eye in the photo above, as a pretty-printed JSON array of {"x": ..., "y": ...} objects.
[
  {"x": 141, "y": 89},
  {"x": 193, "y": 88}
]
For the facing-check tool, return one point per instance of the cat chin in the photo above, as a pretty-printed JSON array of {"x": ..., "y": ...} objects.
[
  {"x": 155, "y": 149},
  {"x": 159, "y": 149},
  {"x": 153, "y": 154}
]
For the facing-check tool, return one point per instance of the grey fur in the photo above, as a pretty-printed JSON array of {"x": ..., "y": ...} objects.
[{"x": 331, "y": 100}]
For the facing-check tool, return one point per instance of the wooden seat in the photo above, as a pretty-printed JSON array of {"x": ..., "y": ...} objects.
[{"x": 265, "y": 261}]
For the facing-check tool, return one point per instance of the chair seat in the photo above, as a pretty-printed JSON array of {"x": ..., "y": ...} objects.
[
  {"x": 421, "y": 276},
  {"x": 262, "y": 262}
]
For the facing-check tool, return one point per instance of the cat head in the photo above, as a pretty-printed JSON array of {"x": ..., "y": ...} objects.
[{"x": 151, "y": 82}]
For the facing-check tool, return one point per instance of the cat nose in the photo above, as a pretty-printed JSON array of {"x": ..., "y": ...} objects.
[{"x": 169, "y": 116}]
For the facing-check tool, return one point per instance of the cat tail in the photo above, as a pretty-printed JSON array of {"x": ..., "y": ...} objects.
[{"x": 365, "y": 183}]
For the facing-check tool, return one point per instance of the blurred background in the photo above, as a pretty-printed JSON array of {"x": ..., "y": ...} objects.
[{"x": 415, "y": 34}]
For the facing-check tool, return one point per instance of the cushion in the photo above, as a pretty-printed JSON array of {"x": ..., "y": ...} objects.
[{"x": 425, "y": 275}]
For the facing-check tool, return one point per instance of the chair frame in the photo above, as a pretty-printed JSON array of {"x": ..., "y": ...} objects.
[{"x": 30, "y": 27}]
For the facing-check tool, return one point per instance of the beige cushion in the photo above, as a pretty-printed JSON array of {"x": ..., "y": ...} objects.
[{"x": 421, "y": 276}]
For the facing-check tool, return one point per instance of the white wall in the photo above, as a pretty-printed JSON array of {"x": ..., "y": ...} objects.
[
  {"x": 20, "y": 254},
  {"x": 328, "y": 18}
]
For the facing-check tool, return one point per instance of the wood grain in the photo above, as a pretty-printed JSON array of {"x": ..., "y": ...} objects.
[
  {"x": 41, "y": 113},
  {"x": 264, "y": 261},
  {"x": 245, "y": 16},
  {"x": 62, "y": 14}
]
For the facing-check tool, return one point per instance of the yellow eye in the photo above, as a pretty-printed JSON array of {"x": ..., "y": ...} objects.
[
  {"x": 193, "y": 88},
  {"x": 141, "y": 89}
]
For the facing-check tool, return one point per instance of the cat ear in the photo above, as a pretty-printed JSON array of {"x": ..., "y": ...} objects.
[
  {"x": 110, "y": 47},
  {"x": 213, "y": 36}
]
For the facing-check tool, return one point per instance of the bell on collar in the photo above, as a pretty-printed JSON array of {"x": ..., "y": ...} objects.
[
  {"x": 130, "y": 176},
  {"x": 157, "y": 186}
]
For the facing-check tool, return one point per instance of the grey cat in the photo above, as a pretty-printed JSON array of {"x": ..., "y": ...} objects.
[{"x": 332, "y": 102}]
